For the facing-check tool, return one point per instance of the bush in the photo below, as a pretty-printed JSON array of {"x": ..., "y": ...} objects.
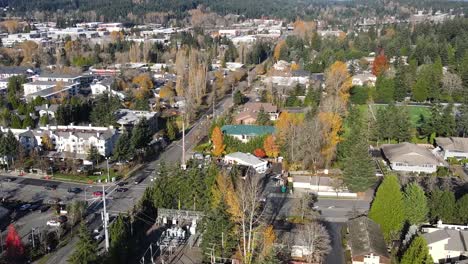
[{"x": 442, "y": 172}]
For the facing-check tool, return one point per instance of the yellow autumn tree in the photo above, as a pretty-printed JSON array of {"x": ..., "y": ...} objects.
[
  {"x": 285, "y": 121},
  {"x": 333, "y": 107},
  {"x": 218, "y": 142},
  {"x": 144, "y": 81},
  {"x": 268, "y": 237},
  {"x": 271, "y": 149},
  {"x": 167, "y": 91},
  {"x": 277, "y": 52},
  {"x": 303, "y": 28},
  {"x": 295, "y": 66}
]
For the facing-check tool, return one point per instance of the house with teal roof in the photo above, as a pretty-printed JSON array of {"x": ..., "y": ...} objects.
[{"x": 246, "y": 132}]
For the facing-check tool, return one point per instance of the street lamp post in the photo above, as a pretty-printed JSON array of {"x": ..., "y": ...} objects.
[{"x": 108, "y": 173}]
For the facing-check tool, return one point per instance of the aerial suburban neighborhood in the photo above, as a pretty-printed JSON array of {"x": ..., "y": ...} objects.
[{"x": 243, "y": 132}]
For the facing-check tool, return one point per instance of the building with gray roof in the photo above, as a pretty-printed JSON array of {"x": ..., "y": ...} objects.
[
  {"x": 447, "y": 243},
  {"x": 409, "y": 157},
  {"x": 366, "y": 241}
]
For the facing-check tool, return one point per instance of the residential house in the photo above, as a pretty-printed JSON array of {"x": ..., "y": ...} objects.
[
  {"x": 368, "y": 79},
  {"x": 247, "y": 159},
  {"x": 250, "y": 112},
  {"x": 246, "y": 132},
  {"x": 50, "y": 89},
  {"x": 25, "y": 137},
  {"x": 447, "y": 243},
  {"x": 105, "y": 86},
  {"x": 408, "y": 157},
  {"x": 47, "y": 109},
  {"x": 452, "y": 147},
  {"x": 79, "y": 139},
  {"x": 366, "y": 241},
  {"x": 7, "y": 72},
  {"x": 127, "y": 118}
]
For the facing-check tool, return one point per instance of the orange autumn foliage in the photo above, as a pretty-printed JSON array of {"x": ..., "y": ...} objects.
[
  {"x": 269, "y": 238},
  {"x": 295, "y": 66},
  {"x": 271, "y": 149},
  {"x": 380, "y": 64},
  {"x": 218, "y": 142},
  {"x": 285, "y": 122},
  {"x": 304, "y": 28}
]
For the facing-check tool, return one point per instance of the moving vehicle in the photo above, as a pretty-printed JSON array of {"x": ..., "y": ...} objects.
[
  {"x": 44, "y": 208},
  {"x": 74, "y": 190},
  {"x": 122, "y": 183},
  {"x": 98, "y": 193},
  {"x": 9, "y": 179},
  {"x": 25, "y": 207},
  {"x": 50, "y": 186},
  {"x": 121, "y": 189},
  {"x": 139, "y": 179},
  {"x": 53, "y": 223}
]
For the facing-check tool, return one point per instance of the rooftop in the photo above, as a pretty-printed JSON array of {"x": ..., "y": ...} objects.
[
  {"x": 247, "y": 130},
  {"x": 409, "y": 153},
  {"x": 246, "y": 158},
  {"x": 453, "y": 143},
  {"x": 365, "y": 237}
]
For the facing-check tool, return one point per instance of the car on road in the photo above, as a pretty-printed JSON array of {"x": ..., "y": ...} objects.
[
  {"x": 122, "y": 189},
  {"x": 98, "y": 238},
  {"x": 50, "y": 186},
  {"x": 25, "y": 207},
  {"x": 122, "y": 183},
  {"x": 74, "y": 190},
  {"x": 44, "y": 208},
  {"x": 139, "y": 179},
  {"x": 53, "y": 223},
  {"x": 98, "y": 229},
  {"x": 10, "y": 179},
  {"x": 98, "y": 193},
  {"x": 34, "y": 207}
]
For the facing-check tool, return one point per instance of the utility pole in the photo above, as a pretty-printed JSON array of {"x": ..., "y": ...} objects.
[
  {"x": 183, "y": 141},
  {"x": 108, "y": 174},
  {"x": 105, "y": 218},
  {"x": 32, "y": 237}
]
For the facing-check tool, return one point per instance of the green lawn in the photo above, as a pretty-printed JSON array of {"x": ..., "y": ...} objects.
[{"x": 414, "y": 111}]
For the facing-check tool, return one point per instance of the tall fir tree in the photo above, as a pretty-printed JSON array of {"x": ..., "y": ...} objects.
[
  {"x": 141, "y": 134},
  {"x": 416, "y": 210},
  {"x": 86, "y": 249},
  {"x": 417, "y": 252},
  {"x": 462, "y": 210},
  {"x": 442, "y": 206},
  {"x": 388, "y": 208}
]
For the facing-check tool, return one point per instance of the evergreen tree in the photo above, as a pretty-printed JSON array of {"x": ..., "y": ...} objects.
[
  {"x": 263, "y": 118},
  {"x": 123, "y": 149},
  {"x": 400, "y": 84},
  {"x": 93, "y": 154},
  {"x": 462, "y": 120},
  {"x": 422, "y": 85},
  {"x": 417, "y": 252},
  {"x": 416, "y": 209},
  {"x": 141, "y": 135},
  {"x": 442, "y": 206},
  {"x": 463, "y": 69},
  {"x": 119, "y": 244},
  {"x": 86, "y": 248},
  {"x": 402, "y": 130},
  {"x": 238, "y": 98},
  {"x": 359, "y": 169},
  {"x": 388, "y": 208},
  {"x": 462, "y": 210},
  {"x": 44, "y": 120},
  {"x": 103, "y": 110},
  {"x": 171, "y": 129},
  {"x": 11, "y": 145},
  {"x": 28, "y": 122},
  {"x": 447, "y": 123},
  {"x": 16, "y": 121},
  {"x": 385, "y": 89}
]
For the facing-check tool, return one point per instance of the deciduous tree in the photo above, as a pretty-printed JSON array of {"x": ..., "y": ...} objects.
[
  {"x": 315, "y": 238},
  {"x": 14, "y": 247},
  {"x": 416, "y": 209},
  {"x": 218, "y": 142},
  {"x": 271, "y": 149}
]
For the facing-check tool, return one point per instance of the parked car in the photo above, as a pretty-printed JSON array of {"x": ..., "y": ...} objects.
[
  {"x": 99, "y": 238},
  {"x": 98, "y": 193},
  {"x": 53, "y": 223},
  {"x": 122, "y": 183},
  {"x": 62, "y": 219},
  {"x": 9, "y": 179},
  {"x": 34, "y": 207},
  {"x": 121, "y": 189},
  {"x": 139, "y": 179},
  {"x": 44, "y": 208},
  {"x": 25, "y": 207},
  {"x": 74, "y": 190},
  {"x": 50, "y": 186}
]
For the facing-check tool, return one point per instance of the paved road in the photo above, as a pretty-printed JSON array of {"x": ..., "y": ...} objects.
[{"x": 123, "y": 202}]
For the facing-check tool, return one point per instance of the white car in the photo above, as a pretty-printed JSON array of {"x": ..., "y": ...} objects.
[{"x": 53, "y": 223}]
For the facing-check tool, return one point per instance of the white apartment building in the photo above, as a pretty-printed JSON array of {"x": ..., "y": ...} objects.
[
  {"x": 49, "y": 90},
  {"x": 79, "y": 139}
]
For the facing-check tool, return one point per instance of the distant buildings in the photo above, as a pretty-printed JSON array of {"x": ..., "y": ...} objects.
[
  {"x": 362, "y": 79},
  {"x": 452, "y": 147},
  {"x": 105, "y": 86},
  {"x": 250, "y": 112},
  {"x": 127, "y": 118}
]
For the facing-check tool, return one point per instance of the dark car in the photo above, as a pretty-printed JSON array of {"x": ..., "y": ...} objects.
[
  {"x": 62, "y": 219},
  {"x": 44, "y": 208},
  {"x": 50, "y": 187},
  {"x": 10, "y": 179},
  {"x": 122, "y": 183},
  {"x": 34, "y": 207},
  {"x": 121, "y": 189},
  {"x": 74, "y": 190}
]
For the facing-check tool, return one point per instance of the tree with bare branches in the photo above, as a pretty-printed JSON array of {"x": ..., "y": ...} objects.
[{"x": 316, "y": 242}]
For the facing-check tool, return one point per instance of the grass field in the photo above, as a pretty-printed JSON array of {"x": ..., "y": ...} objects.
[{"x": 414, "y": 111}]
